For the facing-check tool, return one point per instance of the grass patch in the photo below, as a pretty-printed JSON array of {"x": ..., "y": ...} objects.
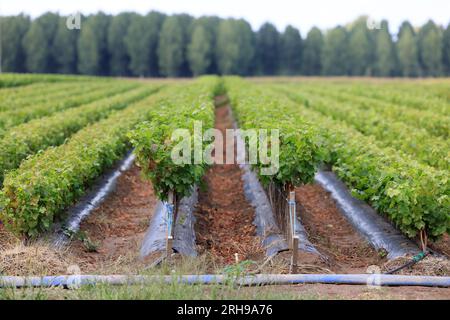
[{"x": 155, "y": 291}]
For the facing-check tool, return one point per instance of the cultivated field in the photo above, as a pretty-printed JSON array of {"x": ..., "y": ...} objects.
[{"x": 60, "y": 136}]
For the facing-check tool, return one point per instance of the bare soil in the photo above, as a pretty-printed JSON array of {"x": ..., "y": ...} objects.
[
  {"x": 117, "y": 227},
  {"x": 442, "y": 246},
  {"x": 224, "y": 217},
  {"x": 332, "y": 234},
  {"x": 359, "y": 292},
  {"x": 345, "y": 249}
]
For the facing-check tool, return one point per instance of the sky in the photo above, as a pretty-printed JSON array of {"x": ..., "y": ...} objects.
[{"x": 299, "y": 13}]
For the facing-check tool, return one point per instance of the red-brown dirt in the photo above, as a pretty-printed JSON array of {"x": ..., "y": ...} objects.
[
  {"x": 442, "y": 246},
  {"x": 224, "y": 217},
  {"x": 332, "y": 234},
  {"x": 118, "y": 226},
  {"x": 359, "y": 292}
]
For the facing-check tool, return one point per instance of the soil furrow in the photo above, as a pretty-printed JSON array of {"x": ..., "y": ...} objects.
[
  {"x": 332, "y": 234},
  {"x": 224, "y": 224},
  {"x": 115, "y": 230}
]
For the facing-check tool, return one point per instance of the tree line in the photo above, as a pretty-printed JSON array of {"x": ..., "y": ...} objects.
[{"x": 159, "y": 45}]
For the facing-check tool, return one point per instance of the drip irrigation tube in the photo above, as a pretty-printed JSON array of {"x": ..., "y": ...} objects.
[
  {"x": 373, "y": 227},
  {"x": 75, "y": 281},
  {"x": 92, "y": 200},
  {"x": 410, "y": 263}
]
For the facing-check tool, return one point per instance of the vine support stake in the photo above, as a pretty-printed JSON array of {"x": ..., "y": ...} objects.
[
  {"x": 293, "y": 239},
  {"x": 294, "y": 262},
  {"x": 170, "y": 222}
]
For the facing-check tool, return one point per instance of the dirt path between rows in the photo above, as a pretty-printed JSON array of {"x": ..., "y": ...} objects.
[
  {"x": 116, "y": 229},
  {"x": 332, "y": 234},
  {"x": 224, "y": 217}
]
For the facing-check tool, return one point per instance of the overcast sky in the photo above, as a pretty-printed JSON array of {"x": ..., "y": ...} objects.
[{"x": 300, "y": 13}]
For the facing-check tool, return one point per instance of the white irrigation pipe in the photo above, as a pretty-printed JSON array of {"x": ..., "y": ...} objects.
[{"x": 76, "y": 281}]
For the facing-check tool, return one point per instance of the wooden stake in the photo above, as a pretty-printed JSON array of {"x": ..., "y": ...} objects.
[{"x": 294, "y": 255}]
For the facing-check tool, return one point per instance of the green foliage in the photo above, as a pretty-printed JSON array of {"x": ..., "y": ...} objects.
[
  {"x": 446, "y": 50},
  {"x": 268, "y": 49},
  {"x": 13, "y": 29},
  {"x": 179, "y": 45},
  {"x": 391, "y": 104},
  {"x": 171, "y": 47},
  {"x": 186, "y": 22},
  {"x": 117, "y": 30},
  {"x": 300, "y": 151},
  {"x": 88, "y": 244},
  {"x": 141, "y": 42},
  {"x": 312, "y": 53},
  {"x": 8, "y": 80},
  {"x": 93, "y": 55},
  {"x": 354, "y": 128},
  {"x": 335, "y": 56},
  {"x": 38, "y": 42},
  {"x": 385, "y": 58},
  {"x": 360, "y": 49},
  {"x": 235, "y": 47},
  {"x": 15, "y": 98},
  {"x": 430, "y": 49},
  {"x": 407, "y": 51},
  {"x": 415, "y": 141},
  {"x": 200, "y": 50},
  {"x": 67, "y": 100},
  {"x": 240, "y": 269},
  {"x": 44, "y": 185},
  {"x": 211, "y": 27},
  {"x": 411, "y": 96},
  {"x": 31, "y": 137},
  {"x": 291, "y": 51},
  {"x": 413, "y": 196},
  {"x": 153, "y": 141},
  {"x": 65, "y": 48}
]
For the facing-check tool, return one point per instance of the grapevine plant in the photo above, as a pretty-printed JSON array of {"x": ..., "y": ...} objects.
[
  {"x": 47, "y": 183},
  {"x": 414, "y": 196},
  {"x": 153, "y": 142},
  {"x": 27, "y": 139},
  {"x": 300, "y": 145}
]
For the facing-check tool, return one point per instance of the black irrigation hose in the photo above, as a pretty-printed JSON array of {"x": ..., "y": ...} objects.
[{"x": 410, "y": 263}]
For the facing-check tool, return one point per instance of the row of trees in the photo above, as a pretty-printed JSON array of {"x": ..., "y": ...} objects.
[{"x": 129, "y": 44}]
